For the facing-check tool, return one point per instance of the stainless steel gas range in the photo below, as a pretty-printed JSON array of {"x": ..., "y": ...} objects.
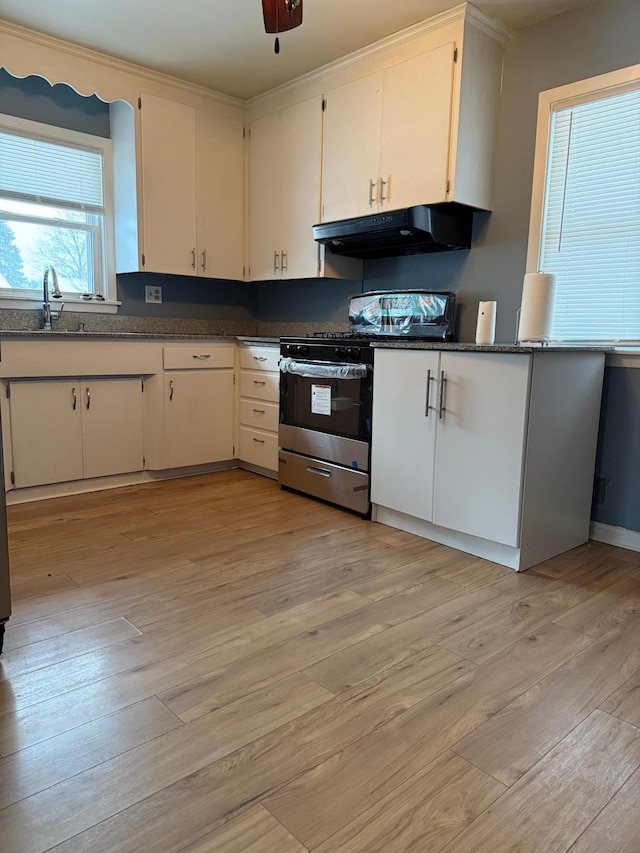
[
  {"x": 326, "y": 393},
  {"x": 326, "y": 389}
]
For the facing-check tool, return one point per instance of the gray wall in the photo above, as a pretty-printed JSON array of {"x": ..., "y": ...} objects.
[{"x": 35, "y": 99}]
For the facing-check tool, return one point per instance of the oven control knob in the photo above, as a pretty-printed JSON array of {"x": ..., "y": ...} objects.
[
  {"x": 303, "y": 350},
  {"x": 341, "y": 352},
  {"x": 292, "y": 349},
  {"x": 353, "y": 353}
]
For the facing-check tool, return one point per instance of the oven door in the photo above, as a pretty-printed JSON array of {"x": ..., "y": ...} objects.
[{"x": 334, "y": 399}]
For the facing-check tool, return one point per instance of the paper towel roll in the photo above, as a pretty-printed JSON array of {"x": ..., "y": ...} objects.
[
  {"x": 537, "y": 306},
  {"x": 486, "y": 326}
]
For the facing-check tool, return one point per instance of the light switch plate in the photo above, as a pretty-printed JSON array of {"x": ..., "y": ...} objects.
[{"x": 152, "y": 293}]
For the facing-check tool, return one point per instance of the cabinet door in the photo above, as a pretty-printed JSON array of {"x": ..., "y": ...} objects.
[
  {"x": 265, "y": 203},
  {"x": 351, "y": 149},
  {"x": 168, "y": 139},
  {"x": 481, "y": 441},
  {"x": 198, "y": 417},
  {"x": 46, "y": 432},
  {"x": 301, "y": 180},
  {"x": 416, "y": 128},
  {"x": 404, "y": 429},
  {"x": 219, "y": 192},
  {"x": 112, "y": 426}
]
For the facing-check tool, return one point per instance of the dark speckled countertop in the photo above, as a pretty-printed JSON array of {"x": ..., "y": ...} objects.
[{"x": 471, "y": 347}]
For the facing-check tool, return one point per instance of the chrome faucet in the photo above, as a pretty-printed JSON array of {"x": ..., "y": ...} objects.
[{"x": 47, "y": 314}]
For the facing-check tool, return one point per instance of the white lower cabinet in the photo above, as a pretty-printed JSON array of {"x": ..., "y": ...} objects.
[
  {"x": 492, "y": 453},
  {"x": 258, "y": 407},
  {"x": 198, "y": 417},
  {"x": 63, "y": 430}
]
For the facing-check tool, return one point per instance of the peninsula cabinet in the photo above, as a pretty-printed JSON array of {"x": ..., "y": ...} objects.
[
  {"x": 419, "y": 131},
  {"x": 73, "y": 429},
  {"x": 192, "y": 174},
  {"x": 494, "y": 453},
  {"x": 198, "y": 405}
]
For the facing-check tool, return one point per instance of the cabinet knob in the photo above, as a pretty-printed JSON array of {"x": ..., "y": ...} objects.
[
  {"x": 284, "y": 264},
  {"x": 193, "y": 258},
  {"x": 426, "y": 405},
  {"x": 88, "y": 398},
  {"x": 171, "y": 390},
  {"x": 441, "y": 408},
  {"x": 74, "y": 395},
  {"x": 385, "y": 196},
  {"x": 373, "y": 192},
  {"x": 204, "y": 260}
]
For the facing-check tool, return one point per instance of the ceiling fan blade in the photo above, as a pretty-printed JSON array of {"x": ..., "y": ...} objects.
[{"x": 277, "y": 18}]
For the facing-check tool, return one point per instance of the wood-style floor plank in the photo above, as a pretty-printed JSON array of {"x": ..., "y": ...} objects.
[
  {"x": 557, "y": 800},
  {"x": 509, "y": 744},
  {"x": 214, "y": 664}
]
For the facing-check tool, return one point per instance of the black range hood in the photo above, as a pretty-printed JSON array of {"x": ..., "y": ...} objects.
[{"x": 411, "y": 231}]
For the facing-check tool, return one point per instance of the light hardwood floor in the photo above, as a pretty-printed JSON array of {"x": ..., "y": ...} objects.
[{"x": 212, "y": 665}]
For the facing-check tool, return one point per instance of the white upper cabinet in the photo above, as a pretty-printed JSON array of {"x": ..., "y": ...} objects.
[
  {"x": 386, "y": 142},
  {"x": 420, "y": 130},
  {"x": 285, "y": 175},
  {"x": 191, "y": 190}
]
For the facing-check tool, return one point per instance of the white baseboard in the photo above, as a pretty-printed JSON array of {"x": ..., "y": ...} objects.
[{"x": 611, "y": 535}]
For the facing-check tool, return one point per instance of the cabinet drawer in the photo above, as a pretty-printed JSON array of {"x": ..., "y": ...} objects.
[
  {"x": 259, "y": 358},
  {"x": 260, "y": 385},
  {"x": 194, "y": 357},
  {"x": 259, "y": 448},
  {"x": 259, "y": 415}
]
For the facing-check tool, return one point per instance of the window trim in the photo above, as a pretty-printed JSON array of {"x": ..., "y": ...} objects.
[{"x": 13, "y": 300}]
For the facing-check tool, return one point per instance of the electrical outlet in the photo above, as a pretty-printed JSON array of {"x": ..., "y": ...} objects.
[{"x": 152, "y": 293}]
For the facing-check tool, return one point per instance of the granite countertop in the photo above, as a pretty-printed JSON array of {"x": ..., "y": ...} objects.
[
  {"x": 471, "y": 347},
  {"x": 144, "y": 336}
]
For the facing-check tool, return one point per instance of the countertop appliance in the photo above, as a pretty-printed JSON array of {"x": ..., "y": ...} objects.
[
  {"x": 326, "y": 393},
  {"x": 411, "y": 231}
]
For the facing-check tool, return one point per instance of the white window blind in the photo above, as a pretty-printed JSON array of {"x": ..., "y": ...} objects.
[
  {"x": 591, "y": 222},
  {"x": 48, "y": 172}
]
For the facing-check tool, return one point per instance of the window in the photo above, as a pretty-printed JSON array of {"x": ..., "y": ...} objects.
[
  {"x": 585, "y": 224},
  {"x": 55, "y": 209}
]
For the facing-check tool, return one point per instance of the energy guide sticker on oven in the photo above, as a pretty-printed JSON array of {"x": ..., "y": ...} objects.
[{"x": 321, "y": 399}]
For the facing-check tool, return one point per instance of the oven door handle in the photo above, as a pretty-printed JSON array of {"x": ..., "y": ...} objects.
[{"x": 320, "y": 471}]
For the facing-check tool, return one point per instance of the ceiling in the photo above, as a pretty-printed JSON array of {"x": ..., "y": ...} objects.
[{"x": 221, "y": 44}]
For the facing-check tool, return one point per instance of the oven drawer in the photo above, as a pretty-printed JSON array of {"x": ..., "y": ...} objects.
[
  {"x": 260, "y": 386},
  {"x": 259, "y": 415},
  {"x": 343, "y": 486},
  {"x": 259, "y": 448},
  {"x": 259, "y": 358}
]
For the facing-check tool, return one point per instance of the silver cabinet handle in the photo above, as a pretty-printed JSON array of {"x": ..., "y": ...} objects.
[
  {"x": 384, "y": 184},
  {"x": 259, "y": 358},
  {"x": 74, "y": 396},
  {"x": 171, "y": 390},
  {"x": 193, "y": 258},
  {"x": 259, "y": 440},
  {"x": 373, "y": 192},
  {"x": 426, "y": 404},
  {"x": 259, "y": 382},
  {"x": 276, "y": 261},
  {"x": 203, "y": 356},
  {"x": 88, "y": 398},
  {"x": 285, "y": 265},
  {"x": 258, "y": 411},
  {"x": 441, "y": 408},
  {"x": 320, "y": 471},
  {"x": 204, "y": 260}
]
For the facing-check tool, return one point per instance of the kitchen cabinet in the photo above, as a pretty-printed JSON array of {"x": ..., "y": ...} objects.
[
  {"x": 258, "y": 408},
  {"x": 494, "y": 452},
  {"x": 387, "y": 138},
  {"x": 419, "y": 131},
  {"x": 198, "y": 405},
  {"x": 285, "y": 169},
  {"x": 192, "y": 190},
  {"x": 72, "y": 429}
]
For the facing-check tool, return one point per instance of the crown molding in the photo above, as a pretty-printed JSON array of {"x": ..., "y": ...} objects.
[
  {"x": 107, "y": 61},
  {"x": 463, "y": 12}
]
